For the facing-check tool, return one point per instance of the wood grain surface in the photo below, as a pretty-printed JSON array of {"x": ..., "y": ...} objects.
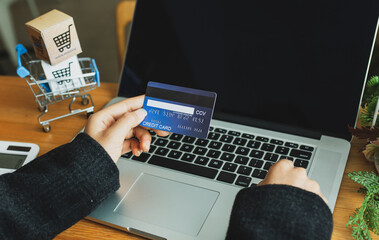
[{"x": 18, "y": 122}]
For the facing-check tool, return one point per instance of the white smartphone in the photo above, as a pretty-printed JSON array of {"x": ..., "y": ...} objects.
[{"x": 14, "y": 155}]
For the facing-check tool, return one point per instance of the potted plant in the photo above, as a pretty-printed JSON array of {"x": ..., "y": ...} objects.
[{"x": 366, "y": 217}]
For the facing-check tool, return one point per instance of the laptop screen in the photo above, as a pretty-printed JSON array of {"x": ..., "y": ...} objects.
[{"x": 291, "y": 66}]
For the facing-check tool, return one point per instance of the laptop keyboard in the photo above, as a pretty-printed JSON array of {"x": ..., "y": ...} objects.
[{"x": 228, "y": 156}]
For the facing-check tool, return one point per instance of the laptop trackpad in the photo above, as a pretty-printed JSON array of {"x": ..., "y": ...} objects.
[{"x": 170, "y": 204}]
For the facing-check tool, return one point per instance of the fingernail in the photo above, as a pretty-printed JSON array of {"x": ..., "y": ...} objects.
[
  {"x": 138, "y": 153},
  {"x": 141, "y": 113},
  {"x": 147, "y": 146}
]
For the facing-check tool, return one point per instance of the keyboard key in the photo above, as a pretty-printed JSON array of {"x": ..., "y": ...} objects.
[
  {"x": 175, "y": 154},
  {"x": 256, "y": 163},
  {"x": 268, "y": 165},
  {"x": 301, "y": 163},
  {"x": 161, "y": 142},
  {"x": 215, "y": 145},
  {"x": 215, "y": 164},
  {"x": 220, "y": 130},
  {"x": 243, "y": 181},
  {"x": 227, "y": 157},
  {"x": 202, "y": 142},
  {"x": 162, "y": 151},
  {"x": 271, "y": 157},
  {"x": 268, "y": 147},
  {"x": 226, "y": 138},
  {"x": 234, "y": 133},
  {"x": 244, "y": 170},
  {"x": 256, "y": 154},
  {"x": 188, "y": 157},
  {"x": 262, "y": 139},
  {"x": 176, "y": 137},
  {"x": 188, "y": 139},
  {"x": 300, "y": 154},
  {"x": 200, "y": 150},
  {"x": 307, "y": 148},
  {"x": 292, "y": 145},
  {"x": 277, "y": 142},
  {"x": 249, "y": 136},
  {"x": 202, "y": 160},
  {"x": 211, "y": 129},
  {"x": 259, "y": 173},
  {"x": 187, "y": 148},
  {"x": 282, "y": 150},
  {"x": 152, "y": 133},
  {"x": 226, "y": 177},
  {"x": 253, "y": 144},
  {"x": 127, "y": 155},
  {"x": 174, "y": 145},
  {"x": 152, "y": 148},
  {"x": 142, "y": 158},
  {"x": 213, "y": 153},
  {"x": 230, "y": 167},
  {"x": 242, "y": 151},
  {"x": 183, "y": 166},
  {"x": 240, "y": 141},
  {"x": 213, "y": 136},
  {"x": 228, "y": 148},
  {"x": 241, "y": 160},
  {"x": 286, "y": 157}
]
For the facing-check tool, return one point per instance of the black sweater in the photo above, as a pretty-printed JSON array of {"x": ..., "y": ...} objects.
[{"x": 59, "y": 188}]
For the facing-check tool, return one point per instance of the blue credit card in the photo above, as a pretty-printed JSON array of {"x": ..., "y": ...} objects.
[{"x": 179, "y": 110}]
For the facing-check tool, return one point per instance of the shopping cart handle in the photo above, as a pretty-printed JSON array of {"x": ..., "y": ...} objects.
[
  {"x": 21, "y": 71},
  {"x": 97, "y": 74}
]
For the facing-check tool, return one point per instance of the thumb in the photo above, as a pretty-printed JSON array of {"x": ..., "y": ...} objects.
[{"x": 128, "y": 121}]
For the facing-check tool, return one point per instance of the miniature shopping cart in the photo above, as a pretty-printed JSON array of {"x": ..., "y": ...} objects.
[
  {"x": 63, "y": 39},
  {"x": 31, "y": 70}
]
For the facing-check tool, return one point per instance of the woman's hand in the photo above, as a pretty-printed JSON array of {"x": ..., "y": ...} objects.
[
  {"x": 116, "y": 128},
  {"x": 284, "y": 172}
]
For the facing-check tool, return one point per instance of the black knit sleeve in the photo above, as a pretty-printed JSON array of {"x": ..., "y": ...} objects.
[
  {"x": 279, "y": 212},
  {"x": 56, "y": 190}
]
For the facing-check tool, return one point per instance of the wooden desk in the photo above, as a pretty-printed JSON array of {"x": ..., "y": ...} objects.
[{"x": 18, "y": 122}]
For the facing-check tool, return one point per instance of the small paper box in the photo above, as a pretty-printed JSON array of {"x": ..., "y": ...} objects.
[{"x": 54, "y": 37}]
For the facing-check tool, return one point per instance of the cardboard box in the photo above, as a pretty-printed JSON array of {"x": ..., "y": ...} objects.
[{"x": 54, "y": 37}]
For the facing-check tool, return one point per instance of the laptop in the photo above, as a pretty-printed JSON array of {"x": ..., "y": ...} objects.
[{"x": 289, "y": 77}]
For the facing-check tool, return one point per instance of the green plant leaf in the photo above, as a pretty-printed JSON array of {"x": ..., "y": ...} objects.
[{"x": 367, "y": 216}]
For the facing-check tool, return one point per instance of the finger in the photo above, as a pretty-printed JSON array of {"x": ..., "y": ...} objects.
[
  {"x": 161, "y": 133},
  {"x": 126, "y": 146},
  {"x": 128, "y": 105},
  {"x": 136, "y": 149},
  {"x": 282, "y": 165},
  {"x": 123, "y": 127},
  {"x": 144, "y": 137}
]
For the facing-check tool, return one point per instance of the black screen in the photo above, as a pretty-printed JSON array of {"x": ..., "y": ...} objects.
[{"x": 274, "y": 64}]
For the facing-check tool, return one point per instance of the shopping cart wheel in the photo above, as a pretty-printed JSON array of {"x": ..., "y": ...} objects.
[
  {"x": 42, "y": 109},
  {"x": 85, "y": 101},
  {"x": 46, "y": 128},
  {"x": 89, "y": 114}
]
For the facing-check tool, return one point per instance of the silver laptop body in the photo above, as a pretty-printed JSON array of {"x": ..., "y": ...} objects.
[{"x": 160, "y": 202}]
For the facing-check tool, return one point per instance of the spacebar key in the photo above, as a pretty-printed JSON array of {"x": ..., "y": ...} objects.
[{"x": 183, "y": 167}]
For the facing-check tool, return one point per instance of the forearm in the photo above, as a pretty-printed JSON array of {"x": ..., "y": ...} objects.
[
  {"x": 279, "y": 212},
  {"x": 56, "y": 190}
]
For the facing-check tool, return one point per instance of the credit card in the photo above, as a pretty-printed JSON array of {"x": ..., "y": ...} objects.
[{"x": 181, "y": 110}]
